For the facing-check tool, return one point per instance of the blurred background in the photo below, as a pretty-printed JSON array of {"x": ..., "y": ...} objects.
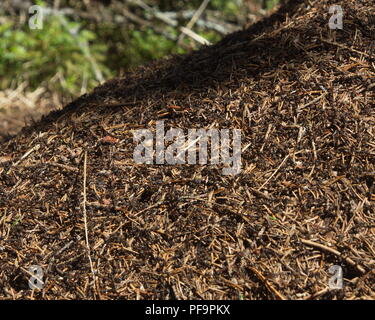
[{"x": 80, "y": 44}]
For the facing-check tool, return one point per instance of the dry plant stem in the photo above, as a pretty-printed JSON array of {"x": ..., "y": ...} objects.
[
  {"x": 85, "y": 220},
  {"x": 194, "y": 19},
  {"x": 278, "y": 168},
  {"x": 170, "y": 22},
  {"x": 317, "y": 294},
  {"x": 268, "y": 285},
  {"x": 335, "y": 252},
  {"x": 345, "y": 47},
  {"x": 33, "y": 275},
  {"x": 195, "y": 36},
  {"x": 27, "y": 154}
]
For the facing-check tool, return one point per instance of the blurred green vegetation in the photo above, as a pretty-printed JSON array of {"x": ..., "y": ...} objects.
[
  {"x": 72, "y": 56},
  {"x": 51, "y": 57}
]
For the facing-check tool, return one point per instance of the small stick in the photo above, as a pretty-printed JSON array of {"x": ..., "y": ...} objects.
[
  {"x": 317, "y": 294},
  {"x": 85, "y": 217},
  {"x": 63, "y": 166},
  {"x": 194, "y": 19},
  {"x": 33, "y": 275},
  {"x": 195, "y": 36},
  {"x": 268, "y": 284},
  {"x": 259, "y": 193},
  {"x": 335, "y": 252},
  {"x": 312, "y": 101},
  {"x": 278, "y": 168},
  {"x": 35, "y": 148},
  {"x": 342, "y": 46}
]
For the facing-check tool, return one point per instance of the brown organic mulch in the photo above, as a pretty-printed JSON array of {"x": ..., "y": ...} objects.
[
  {"x": 303, "y": 96},
  {"x": 19, "y": 107}
]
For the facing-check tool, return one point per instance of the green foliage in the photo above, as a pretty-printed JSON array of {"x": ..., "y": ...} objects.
[
  {"x": 146, "y": 45},
  {"x": 271, "y": 3},
  {"x": 51, "y": 53},
  {"x": 65, "y": 56},
  {"x": 229, "y": 8}
]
